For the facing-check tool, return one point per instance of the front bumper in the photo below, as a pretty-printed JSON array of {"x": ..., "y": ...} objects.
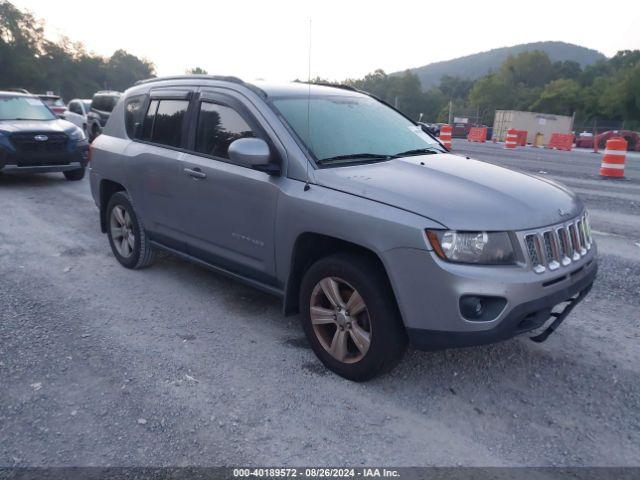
[
  {"x": 43, "y": 168},
  {"x": 429, "y": 290},
  {"x": 522, "y": 318},
  {"x": 15, "y": 162}
]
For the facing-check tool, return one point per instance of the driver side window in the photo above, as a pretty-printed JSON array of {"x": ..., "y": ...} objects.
[{"x": 218, "y": 127}]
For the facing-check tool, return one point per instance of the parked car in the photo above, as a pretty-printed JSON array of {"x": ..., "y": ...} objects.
[
  {"x": 34, "y": 140},
  {"x": 77, "y": 112},
  {"x": 345, "y": 209},
  {"x": 585, "y": 139},
  {"x": 101, "y": 106},
  {"x": 55, "y": 103}
]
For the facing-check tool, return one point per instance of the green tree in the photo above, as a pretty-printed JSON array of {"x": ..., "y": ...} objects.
[
  {"x": 531, "y": 69},
  {"x": 123, "y": 70},
  {"x": 29, "y": 60},
  {"x": 562, "y": 97},
  {"x": 491, "y": 93},
  {"x": 196, "y": 71}
]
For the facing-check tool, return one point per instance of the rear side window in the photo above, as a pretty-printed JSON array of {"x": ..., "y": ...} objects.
[
  {"x": 218, "y": 126},
  {"x": 132, "y": 114},
  {"x": 163, "y": 122}
]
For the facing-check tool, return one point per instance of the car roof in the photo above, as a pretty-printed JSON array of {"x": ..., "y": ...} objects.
[{"x": 109, "y": 93}]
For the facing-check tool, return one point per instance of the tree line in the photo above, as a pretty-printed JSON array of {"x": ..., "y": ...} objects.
[
  {"x": 607, "y": 92},
  {"x": 29, "y": 60}
]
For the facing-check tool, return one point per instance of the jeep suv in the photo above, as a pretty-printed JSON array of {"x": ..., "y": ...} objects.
[
  {"x": 34, "y": 140},
  {"x": 101, "y": 106},
  {"x": 347, "y": 210}
]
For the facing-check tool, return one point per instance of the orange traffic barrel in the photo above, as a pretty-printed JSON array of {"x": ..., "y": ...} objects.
[
  {"x": 446, "y": 132},
  {"x": 512, "y": 138},
  {"x": 614, "y": 158}
]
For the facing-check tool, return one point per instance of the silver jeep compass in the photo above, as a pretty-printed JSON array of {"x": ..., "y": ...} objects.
[{"x": 332, "y": 200}]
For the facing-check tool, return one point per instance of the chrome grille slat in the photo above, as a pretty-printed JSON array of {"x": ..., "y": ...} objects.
[{"x": 559, "y": 245}]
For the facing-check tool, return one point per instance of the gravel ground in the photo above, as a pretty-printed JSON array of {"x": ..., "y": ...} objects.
[{"x": 174, "y": 365}]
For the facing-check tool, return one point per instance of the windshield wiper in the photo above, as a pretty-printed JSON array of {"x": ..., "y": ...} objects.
[
  {"x": 417, "y": 151},
  {"x": 354, "y": 156}
]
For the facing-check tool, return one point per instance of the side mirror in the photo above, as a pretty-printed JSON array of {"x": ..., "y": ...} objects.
[{"x": 252, "y": 152}]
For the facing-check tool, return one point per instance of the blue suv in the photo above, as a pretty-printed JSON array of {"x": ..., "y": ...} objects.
[{"x": 34, "y": 140}]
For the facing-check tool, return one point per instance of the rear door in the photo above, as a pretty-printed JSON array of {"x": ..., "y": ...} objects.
[
  {"x": 155, "y": 157},
  {"x": 228, "y": 209}
]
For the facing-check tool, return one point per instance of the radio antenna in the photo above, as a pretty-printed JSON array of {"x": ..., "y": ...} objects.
[{"x": 306, "y": 185}]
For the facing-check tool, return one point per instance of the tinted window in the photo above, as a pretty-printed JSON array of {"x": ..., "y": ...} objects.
[
  {"x": 147, "y": 123},
  {"x": 163, "y": 122},
  {"x": 132, "y": 114},
  {"x": 75, "y": 108},
  {"x": 105, "y": 103},
  {"x": 218, "y": 126}
]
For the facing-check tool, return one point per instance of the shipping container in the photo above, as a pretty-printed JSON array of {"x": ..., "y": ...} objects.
[{"x": 538, "y": 126}]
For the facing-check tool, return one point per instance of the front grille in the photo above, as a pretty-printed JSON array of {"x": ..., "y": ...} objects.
[
  {"x": 560, "y": 245},
  {"x": 27, "y": 143}
]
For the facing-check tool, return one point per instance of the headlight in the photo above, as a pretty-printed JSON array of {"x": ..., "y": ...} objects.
[
  {"x": 484, "y": 248},
  {"x": 77, "y": 134}
]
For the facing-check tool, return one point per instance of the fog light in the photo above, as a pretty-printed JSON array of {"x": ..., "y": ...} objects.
[
  {"x": 480, "y": 308},
  {"x": 471, "y": 307}
]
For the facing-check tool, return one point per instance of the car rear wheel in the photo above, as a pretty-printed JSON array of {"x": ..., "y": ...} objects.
[
  {"x": 350, "y": 317},
  {"x": 74, "y": 175},
  {"x": 127, "y": 237}
]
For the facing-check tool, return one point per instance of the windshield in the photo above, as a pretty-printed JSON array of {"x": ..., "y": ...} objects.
[
  {"x": 87, "y": 105},
  {"x": 359, "y": 127},
  {"x": 24, "y": 108}
]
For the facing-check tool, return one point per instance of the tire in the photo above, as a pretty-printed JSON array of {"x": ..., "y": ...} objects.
[
  {"x": 95, "y": 132},
  {"x": 74, "y": 175},
  {"x": 140, "y": 252},
  {"x": 380, "y": 318}
]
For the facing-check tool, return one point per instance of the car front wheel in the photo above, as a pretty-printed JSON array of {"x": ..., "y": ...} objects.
[{"x": 350, "y": 317}]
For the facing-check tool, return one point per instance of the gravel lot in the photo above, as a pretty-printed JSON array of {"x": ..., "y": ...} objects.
[{"x": 174, "y": 365}]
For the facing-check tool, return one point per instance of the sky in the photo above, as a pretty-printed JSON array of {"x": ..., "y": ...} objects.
[{"x": 349, "y": 38}]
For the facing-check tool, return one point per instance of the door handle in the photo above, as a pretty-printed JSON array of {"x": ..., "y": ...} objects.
[{"x": 195, "y": 172}]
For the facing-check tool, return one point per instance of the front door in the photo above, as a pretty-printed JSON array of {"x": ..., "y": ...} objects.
[{"x": 229, "y": 209}]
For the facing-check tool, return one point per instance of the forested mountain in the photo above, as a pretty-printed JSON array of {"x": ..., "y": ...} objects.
[{"x": 479, "y": 64}]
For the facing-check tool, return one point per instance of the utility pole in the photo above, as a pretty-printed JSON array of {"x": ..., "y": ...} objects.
[{"x": 450, "y": 111}]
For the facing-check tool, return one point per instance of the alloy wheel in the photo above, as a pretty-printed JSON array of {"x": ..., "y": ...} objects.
[
  {"x": 121, "y": 229},
  {"x": 340, "y": 320}
]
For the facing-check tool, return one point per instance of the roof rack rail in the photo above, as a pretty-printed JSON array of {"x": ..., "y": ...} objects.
[
  {"x": 343, "y": 86},
  {"x": 191, "y": 77}
]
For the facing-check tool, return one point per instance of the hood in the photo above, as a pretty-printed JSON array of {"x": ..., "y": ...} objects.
[
  {"x": 13, "y": 126},
  {"x": 460, "y": 193}
]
